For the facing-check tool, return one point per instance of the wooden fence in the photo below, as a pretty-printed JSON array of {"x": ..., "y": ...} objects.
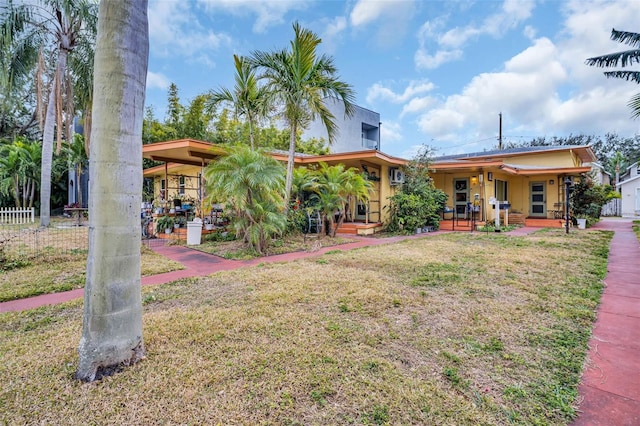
[{"x": 15, "y": 216}]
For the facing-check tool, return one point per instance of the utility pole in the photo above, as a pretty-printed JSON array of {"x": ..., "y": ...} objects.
[{"x": 500, "y": 133}]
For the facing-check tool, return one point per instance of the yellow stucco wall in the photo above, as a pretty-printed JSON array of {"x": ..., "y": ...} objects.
[
  {"x": 548, "y": 159},
  {"x": 518, "y": 189}
]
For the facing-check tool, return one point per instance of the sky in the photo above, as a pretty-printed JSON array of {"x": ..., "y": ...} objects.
[{"x": 438, "y": 72}]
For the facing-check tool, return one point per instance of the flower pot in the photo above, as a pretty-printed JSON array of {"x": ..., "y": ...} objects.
[
  {"x": 167, "y": 230},
  {"x": 582, "y": 223},
  {"x": 208, "y": 226}
]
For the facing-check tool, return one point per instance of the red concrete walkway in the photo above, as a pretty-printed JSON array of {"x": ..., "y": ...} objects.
[
  {"x": 197, "y": 264},
  {"x": 610, "y": 385}
]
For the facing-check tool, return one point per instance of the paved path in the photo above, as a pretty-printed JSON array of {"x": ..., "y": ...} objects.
[
  {"x": 610, "y": 385},
  {"x": 197, "y": 264}
]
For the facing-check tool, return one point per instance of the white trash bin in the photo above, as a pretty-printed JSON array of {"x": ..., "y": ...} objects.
[
  {"x": 194, "y": 232},
  {"x": 582, "y": 223}
]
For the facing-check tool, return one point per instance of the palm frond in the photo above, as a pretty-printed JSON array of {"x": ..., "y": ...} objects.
[
  {"x": 625, "y": 58},
  {"x": 632, "y": 39},
  {"x": 625, "y": 75},
  {"x": 634, "y": 104}
]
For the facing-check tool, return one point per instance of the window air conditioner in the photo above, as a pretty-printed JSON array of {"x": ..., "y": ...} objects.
[{"x": 397, "y": 176}]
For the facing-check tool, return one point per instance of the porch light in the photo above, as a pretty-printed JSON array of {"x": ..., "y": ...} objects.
[{"x": 474, "y": 180}]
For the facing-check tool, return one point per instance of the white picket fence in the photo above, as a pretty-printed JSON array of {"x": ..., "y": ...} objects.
[
  {"x": 612, "y": 208},
  {"x": 15, "y": 216}
]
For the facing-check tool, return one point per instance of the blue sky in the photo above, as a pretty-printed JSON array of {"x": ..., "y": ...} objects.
[{"x": 438, "y": 72}]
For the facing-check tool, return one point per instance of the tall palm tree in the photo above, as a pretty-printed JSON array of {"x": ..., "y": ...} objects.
[
  {"x": 300, "y": 80},
  {"x": 17, "y": 59},
  {"x": 625, "y": 58},
  {"x": 58, "y": 26},
  {"x": 251, "y": 185},
  {"x": 247, "y": 98},
  {"x": 617, "y": 162},
  {"x": 112, "y": 322}
]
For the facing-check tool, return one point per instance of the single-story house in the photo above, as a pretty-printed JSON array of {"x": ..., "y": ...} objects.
[
  {"x": 530, "y": 179},
  {"x": 629, "y": 187},
  {"x": 180, "y": 177}
]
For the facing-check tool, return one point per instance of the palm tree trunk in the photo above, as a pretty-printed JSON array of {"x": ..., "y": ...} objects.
[
  {"x": 112, "y": 322},
  {"x": 47, "y": 142},
  {"x": 289, "y": 181}
]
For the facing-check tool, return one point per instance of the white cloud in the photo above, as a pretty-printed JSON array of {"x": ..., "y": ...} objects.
[
  {"x": 392, "y": 16},
  {"x": 157, "y": 81},
  {"x": 390, "y": 132},
  {"x": 332, "y": 31},
  {"x": 174, "y": 31},
  {"x": 417, "y": 105},
  {"x": 450, "y": 43},
  {"x": 425, "y": 61},
  {"x": 416, "y": 87},
  {"x": 268, "y": 12},
  {"x": 546, "y": 89}
]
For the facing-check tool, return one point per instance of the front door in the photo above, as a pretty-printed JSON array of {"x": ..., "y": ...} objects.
[
  {"x": 461, "y": 196},
  {"x": 538, "y": 200}
]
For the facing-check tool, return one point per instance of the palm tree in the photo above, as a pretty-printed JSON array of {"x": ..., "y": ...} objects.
[
  {"x": 300, "y": 81},
  {"x": 17, "y": 59},
  {"x": 248, "y": 99},
  {"x": 336, "y": 186},
  {"x": 19, "y": 169},
  {"x": 616, "y": 163},
  {"x": 60, "y": 25},
  {"x": 112, "y": 322},
  {"x": 251, "y": 184},
  {"x": 625, "y": 58}
]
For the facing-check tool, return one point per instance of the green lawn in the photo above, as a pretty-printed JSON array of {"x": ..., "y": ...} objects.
[{"x": 464, "y": 329}]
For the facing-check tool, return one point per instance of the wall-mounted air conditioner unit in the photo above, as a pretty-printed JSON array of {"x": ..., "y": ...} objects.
[{"x": 396, "y": 176}]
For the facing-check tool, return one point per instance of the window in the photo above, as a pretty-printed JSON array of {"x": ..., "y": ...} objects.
[
  {"x": 501, "y": 190},
  {"x": 181, "y": 185}
]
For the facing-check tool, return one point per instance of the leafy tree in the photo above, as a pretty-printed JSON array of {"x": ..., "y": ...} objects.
[
  {"x": 61, "y": 25},
  {"x": 625, "y": 58},
  {"x": 616, "y": 163},
  {"x": 587, "y": 198},
  {"x": 174, "y": 110},
  {"x": 248, "y": 99},
  {"x": 195, "y": 120},
  {"x": 418, "y": 202},
  {"x": 251, "y": 185},
  {"x": 112, "y": 322},
  {"x": 19, "y": 171},
  {"x": 300, "y": 81}
]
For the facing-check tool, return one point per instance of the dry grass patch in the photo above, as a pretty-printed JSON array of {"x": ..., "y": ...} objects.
[
  {"x": 453, "y": 329},
  {"x": 230, "y": 248},
  {"x": 65, "y": 271}
]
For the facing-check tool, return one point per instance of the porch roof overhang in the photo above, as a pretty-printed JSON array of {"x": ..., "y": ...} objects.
[
  {"x": 514, "y": 169},
  {"x": 371, "y": 156},
  {"x": 183, "y": 151},
  {"x": 199, "y": 153}
]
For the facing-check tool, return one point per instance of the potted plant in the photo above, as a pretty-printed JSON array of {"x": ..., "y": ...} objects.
[
  {"x": 165, "y": 223},
  {"x": 180, "y": 222}
]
